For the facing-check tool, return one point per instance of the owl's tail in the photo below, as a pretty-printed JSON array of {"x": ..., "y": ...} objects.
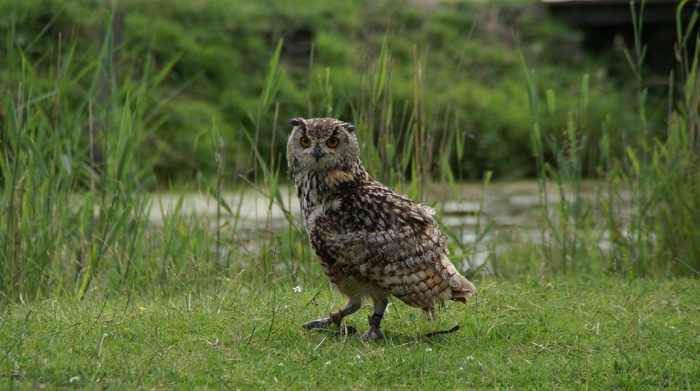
[
  {"x": 465, "y": 289},
  {"x": 461, "y": 287}
]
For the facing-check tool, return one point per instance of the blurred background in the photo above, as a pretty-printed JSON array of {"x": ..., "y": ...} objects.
[
  {"x": 451, "y": 66},
  {"x": 143, "y": 142}
]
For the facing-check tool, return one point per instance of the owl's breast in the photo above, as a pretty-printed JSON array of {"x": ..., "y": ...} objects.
[{"x": 313, "y": 213}]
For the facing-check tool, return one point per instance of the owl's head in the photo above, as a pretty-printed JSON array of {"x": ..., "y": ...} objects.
[{"x": 322, "y": 144}]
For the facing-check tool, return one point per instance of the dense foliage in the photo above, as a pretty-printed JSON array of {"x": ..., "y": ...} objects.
[{"x": 450, "y": 67}]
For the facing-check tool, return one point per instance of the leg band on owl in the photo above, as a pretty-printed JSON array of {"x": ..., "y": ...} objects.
[
  {"x": 378, "y": 316},
  {"x": 374, "y": 322}
]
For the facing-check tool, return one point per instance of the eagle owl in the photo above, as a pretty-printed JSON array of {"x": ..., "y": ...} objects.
[{"x": 371, "y": 242}]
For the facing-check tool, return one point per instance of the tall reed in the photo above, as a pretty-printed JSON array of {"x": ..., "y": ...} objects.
[
  {"x": 77, "y": 219},
  {"x": 75, "y": 213},
  {"x": 64, "y": 208},
  {"x": 642, "y": 218}
]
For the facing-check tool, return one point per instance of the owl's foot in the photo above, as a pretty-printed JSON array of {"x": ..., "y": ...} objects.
[
  {"x": 335, "y": 319},
  {"x": 318, "y": 324},
  {"x": 373, "y": 333},
  {"x": 343, "y": 331},
  {"x": 321, "y": 325}
]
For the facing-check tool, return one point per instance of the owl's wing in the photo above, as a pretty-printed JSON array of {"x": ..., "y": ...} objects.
[{"x": 385, "y": 238}]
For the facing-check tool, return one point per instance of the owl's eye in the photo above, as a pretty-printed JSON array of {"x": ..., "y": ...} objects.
[
  {"x": 332, "y": 142},
  {"x": 305, "y": 142}
]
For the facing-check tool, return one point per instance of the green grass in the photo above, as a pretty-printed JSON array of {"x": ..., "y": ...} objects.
[
  {"x": 92, "y": 294},
  {"x": 528, "y": 334}
]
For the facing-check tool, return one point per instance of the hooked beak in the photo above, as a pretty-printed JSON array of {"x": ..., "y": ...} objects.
[{"x": 317, "y": 152}]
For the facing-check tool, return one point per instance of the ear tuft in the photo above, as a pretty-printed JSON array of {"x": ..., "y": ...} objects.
[
  {"x": 349, "y": 127},
  {"x": 297, "y": 122}
]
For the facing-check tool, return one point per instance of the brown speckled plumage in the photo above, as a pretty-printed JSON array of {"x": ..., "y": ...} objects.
[{"x": 371, "y": 241}]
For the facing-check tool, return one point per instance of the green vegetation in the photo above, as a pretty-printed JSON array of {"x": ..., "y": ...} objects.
[
  {"x": 602, "y": 334},
  {"x": 387, "y": 66},
  {"x": 648, "y": 195},
  {"x": 104, "y": 112}
]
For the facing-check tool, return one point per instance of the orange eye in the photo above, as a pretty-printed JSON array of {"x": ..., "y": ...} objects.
[
  {"x": 332, "y": 142},
  {"x": 305, "y": 142}
]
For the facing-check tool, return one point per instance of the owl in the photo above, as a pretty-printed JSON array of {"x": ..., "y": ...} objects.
[{"x": 371, "y": 242}]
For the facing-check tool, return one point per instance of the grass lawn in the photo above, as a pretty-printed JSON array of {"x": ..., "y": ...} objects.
[
  {"x": 529, "y": 334},
  {"x": 89, "y": 131}
]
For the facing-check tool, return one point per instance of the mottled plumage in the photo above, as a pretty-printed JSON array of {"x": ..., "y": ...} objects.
[{"x": 371, "y": 242}]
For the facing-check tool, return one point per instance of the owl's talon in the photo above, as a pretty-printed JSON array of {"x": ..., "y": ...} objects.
[
  {"x": 373, "y": 334},
  {"x": 344, "y": 330},
  {"x": 318, "y": 324}
]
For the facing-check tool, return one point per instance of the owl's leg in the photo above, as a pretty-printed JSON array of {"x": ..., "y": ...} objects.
[
  {"x": 375, "y": 320},
  {"x": 429, "y": 313},
  {"x": 335, "y": 318},
  {"x": 350, "y": 308}
]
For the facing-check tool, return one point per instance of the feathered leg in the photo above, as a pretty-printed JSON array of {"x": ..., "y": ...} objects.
[{"x": 375, "y": 320}]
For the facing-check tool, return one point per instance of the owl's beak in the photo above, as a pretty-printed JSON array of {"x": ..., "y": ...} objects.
[{"x": 317, "y": 152}]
